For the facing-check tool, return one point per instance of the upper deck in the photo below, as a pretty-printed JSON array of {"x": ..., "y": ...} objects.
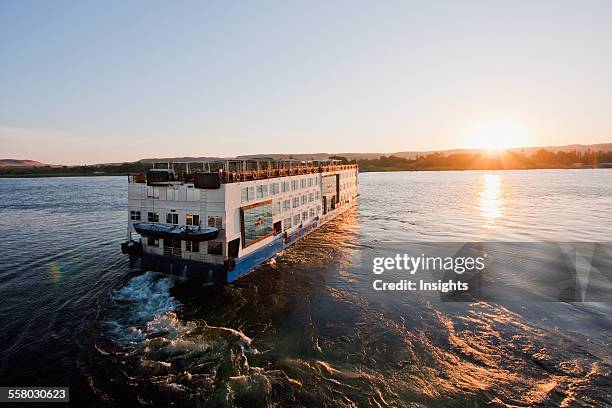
[{"x": 233, "y": 170}]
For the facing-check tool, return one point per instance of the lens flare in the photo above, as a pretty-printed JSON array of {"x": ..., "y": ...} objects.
[{"x": 56, "y": 272}]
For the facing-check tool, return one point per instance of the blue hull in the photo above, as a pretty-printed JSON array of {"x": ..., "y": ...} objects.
[{"x": 219, "y": 273}]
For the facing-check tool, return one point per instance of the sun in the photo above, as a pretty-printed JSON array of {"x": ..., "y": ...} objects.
[{"x": 497, "y": 135}]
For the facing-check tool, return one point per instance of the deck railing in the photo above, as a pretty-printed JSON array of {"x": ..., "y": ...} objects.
[{"x": 255, "y": 174}]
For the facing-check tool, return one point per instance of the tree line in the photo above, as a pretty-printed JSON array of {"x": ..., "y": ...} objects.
[{"x": 540, "y": 159}]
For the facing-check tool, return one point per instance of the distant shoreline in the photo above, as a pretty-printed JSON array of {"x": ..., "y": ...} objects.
[
  {"x": 57, "y": 175},
  {"x": 34, "y": 175},
  {"x": 458, "y": 161},
  {"x": 505, "y": 160}
]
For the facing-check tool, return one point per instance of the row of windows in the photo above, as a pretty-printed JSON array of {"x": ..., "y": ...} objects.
[
  {"x": 295, "y": 202},
  {"x": 348, "y": 175},
  {"x": 172, "y": 218},
  {"x": 347, "y": 184},
  {"x": 173, "y": 194},
  {"x": 262, "y": 190},
  {"x": 345, "y": 197},
  {"x": 297, "y": 218},
  {"x": 213, "y": 247}
]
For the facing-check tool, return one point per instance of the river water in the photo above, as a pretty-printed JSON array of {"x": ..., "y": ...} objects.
[{"x": 305, "y": 329}]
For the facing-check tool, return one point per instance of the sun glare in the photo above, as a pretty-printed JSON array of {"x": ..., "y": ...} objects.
[{"x": 497, "y": 135}]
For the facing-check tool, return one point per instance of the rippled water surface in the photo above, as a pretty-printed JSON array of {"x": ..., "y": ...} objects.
[{"x": 304, "y": 329}]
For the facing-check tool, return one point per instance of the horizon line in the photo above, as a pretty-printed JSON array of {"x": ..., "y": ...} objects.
[{"x": 286, "y": 155}]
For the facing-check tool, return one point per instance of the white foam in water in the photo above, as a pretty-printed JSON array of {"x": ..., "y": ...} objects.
[
  {"x": 148, "y": 299},
  {"x": 166, "y": 347}
]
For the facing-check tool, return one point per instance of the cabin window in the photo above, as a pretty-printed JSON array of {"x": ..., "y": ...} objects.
[
  {"x": 215, "y": 221},
  {"x": 192, "y": 219},
  {"x": 274, "y": 188},
  {"x": 305, "y": 215},
  {"x": 135, "y": 215},
  {"x": 215, "y": 248},
  {"x": 277, "y": 207},
  {"x": 303, "y": 183},
  {"x": 193, "y": 194},
  {"x": 152, "y": 192},
  {"x": 286, "y": 205},
  {"x": 192, "y": 246},
  {"x": 152, "y": 242},
  {"x": 304, "y": 199},
  {"x": 285, "y": 186},
  {"x": 287, "y": 223},
  {"x": 153, "y": 217},
  {"x": 310, "y": 182},
  {"x": 171, "y": 194},
  {"x": 172, "y": 218},
  {"x": 318, "y": 209},
  {"x": 317, "y": 195},
  {"x": 310, "y": 197},
  {"x": 311, "y": 212},
  {"x": 296, "y": 219},
  {"x": 294, "y": 184},
  {"x": 247, "y": 194},
  {"x": 296, "y": 202},
  {"x": 262, "y": 191}
]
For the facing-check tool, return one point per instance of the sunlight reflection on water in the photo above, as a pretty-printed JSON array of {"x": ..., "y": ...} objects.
[{"x": 491, "y": 199}]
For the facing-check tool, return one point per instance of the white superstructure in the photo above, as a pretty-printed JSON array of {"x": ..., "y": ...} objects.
[{"x": 219, "y": 220}]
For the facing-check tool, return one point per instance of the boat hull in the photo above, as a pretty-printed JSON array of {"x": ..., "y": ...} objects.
[{"x": 212, "y": 273}]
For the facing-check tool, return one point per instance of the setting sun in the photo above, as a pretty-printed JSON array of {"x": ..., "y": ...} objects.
[{"x": 497, "y": 135}]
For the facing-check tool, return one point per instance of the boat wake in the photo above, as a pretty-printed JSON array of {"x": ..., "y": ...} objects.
[
  {"x": 145, "y": 299},
  {"x": 170, "y": 361}
]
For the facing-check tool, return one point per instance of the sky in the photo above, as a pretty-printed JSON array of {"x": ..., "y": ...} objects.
[{"x": 94, "y": 82}]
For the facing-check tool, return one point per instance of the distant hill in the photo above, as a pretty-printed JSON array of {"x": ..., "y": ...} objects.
[{"x": 22, "y": 163}]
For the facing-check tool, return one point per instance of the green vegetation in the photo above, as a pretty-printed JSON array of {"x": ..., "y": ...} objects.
[
  {"x": 75, "y": 171},
  {"x": 541, "y": 159}
]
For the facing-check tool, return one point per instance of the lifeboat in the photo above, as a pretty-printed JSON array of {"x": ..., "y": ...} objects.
[{"x": 185, "y": 233}]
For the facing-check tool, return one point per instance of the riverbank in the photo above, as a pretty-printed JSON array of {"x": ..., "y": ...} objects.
[
  {"x": 500, "y": 160},
  {"x": 38, "y": 175},
  {"x": 378, "y": 170}
]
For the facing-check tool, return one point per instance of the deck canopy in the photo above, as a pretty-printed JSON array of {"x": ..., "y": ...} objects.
[{"x": 210, "y": 174}]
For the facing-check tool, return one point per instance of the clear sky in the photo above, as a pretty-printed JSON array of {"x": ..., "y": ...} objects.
[{"x": 94, "y": 81}]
